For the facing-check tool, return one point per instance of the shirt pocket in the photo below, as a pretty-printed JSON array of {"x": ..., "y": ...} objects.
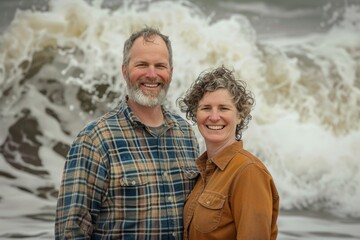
[
  {"x": 189, "y": 176},
  {"x": 190, "y": 172},
  {"x": 209, "y": 210},
  {"x": 134, "y": 181},
  {"x": 135, "y": 191}
]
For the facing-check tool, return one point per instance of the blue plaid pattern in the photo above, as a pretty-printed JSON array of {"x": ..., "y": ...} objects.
[{"x": 120, "y": 181}]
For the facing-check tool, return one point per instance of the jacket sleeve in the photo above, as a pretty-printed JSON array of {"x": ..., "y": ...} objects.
[
  {"x": 80, "y": 193},
  {"x": 254, "y": 203}
]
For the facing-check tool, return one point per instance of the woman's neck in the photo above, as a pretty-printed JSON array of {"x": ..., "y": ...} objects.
[{"x": 214, "y": 148}]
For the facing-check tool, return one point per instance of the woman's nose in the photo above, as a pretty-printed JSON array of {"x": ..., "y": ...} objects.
[{"x": 214, "y": 115}]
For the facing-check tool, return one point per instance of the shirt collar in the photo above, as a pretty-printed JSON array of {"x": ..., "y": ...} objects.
[
  {"x": 222, "y": 159},
  {"x": 169, "y": 119}
]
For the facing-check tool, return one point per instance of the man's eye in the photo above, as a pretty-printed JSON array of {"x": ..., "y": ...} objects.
[{"x": 161, "y": 66}]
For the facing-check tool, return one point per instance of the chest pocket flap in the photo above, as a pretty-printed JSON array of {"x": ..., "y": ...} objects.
[
  {"x": 134, "y": 181},
  {"x": 207, "y": 216},
  {"x": 212, "y": 200}
]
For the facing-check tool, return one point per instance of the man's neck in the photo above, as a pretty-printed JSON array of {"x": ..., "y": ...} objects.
[{"x": 150, "y": 116}]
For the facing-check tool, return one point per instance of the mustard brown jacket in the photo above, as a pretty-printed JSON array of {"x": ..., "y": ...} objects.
[{"x": 235, "y": 197}]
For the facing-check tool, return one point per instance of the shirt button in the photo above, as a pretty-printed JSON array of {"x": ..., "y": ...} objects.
[
  {"x": 170, "y": 199},
  {"x": 165, "y": 174},
  {"x": 133, "y": 182},
  {"x": 174, "y": 234}
]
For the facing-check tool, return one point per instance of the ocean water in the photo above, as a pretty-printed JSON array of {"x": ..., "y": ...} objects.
[{"x": 60, "y": 65}]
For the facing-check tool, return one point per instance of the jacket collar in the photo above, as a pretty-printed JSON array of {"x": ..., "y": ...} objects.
[{"x": 223, "y": 158}]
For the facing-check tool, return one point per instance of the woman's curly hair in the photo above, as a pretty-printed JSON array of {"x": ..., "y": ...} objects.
[{"x": 212, "y": 80}]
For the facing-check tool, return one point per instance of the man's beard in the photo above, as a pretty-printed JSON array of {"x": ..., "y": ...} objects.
[{"x": 138, "y": 96}]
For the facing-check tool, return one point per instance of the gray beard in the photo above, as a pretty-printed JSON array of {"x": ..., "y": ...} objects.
[{"x": 139, "y": 97}]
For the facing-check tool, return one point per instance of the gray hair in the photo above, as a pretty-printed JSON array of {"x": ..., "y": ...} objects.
[
  {"x": 210, "y": 81},
  {"x": 147, "y": 33}
]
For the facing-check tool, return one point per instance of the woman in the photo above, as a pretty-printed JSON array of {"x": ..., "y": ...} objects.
[{"x": 235, "y": 196}]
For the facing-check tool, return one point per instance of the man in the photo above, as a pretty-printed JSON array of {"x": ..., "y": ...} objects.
[{"x": 128, "y": 172}]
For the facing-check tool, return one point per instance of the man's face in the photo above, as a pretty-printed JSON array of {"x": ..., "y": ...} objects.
[{"x": 148, "y": 74}]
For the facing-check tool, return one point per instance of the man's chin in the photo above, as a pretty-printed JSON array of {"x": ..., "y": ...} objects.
[{"x": 146, "y": 100}]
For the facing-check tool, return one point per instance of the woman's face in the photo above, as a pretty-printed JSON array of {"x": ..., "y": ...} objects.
[{"x": 217, "y": 118}]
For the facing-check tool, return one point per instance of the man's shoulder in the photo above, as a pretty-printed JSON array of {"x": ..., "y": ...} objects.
[
  {"x": 175, "y": 117},
  {"x": 103, "y": 122},
  {"x": 179, "y": 119}
]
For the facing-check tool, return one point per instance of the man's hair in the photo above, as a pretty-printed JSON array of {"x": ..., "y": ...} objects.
[{"x": 147, "y": 33}]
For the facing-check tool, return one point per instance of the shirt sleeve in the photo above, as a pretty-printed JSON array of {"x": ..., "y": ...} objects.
[
  {"x": 252, "y": 203},
  {"x": 80, "y": 193}
]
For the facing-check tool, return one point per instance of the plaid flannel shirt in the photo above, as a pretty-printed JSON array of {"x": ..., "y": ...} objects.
[{"x": 121, "y": 181}]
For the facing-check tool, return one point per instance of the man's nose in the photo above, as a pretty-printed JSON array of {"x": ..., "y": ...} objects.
[{"x": 151, "y": 72}]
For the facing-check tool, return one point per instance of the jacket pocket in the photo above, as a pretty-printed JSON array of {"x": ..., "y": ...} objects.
[{"x": 208, "y": 212}]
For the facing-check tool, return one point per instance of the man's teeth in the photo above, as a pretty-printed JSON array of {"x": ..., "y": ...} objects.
[
  {"x": 151, "y": 84},
  {"x": 215, "y": 127}
]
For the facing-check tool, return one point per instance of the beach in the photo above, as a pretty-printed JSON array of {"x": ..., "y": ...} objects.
[{"x": 60, "y": 64}]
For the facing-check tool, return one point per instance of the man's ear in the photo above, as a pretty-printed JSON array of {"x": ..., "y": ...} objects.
[
  {"x": 123, "y": 70},
  {"x": 171, "y": 74}
]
